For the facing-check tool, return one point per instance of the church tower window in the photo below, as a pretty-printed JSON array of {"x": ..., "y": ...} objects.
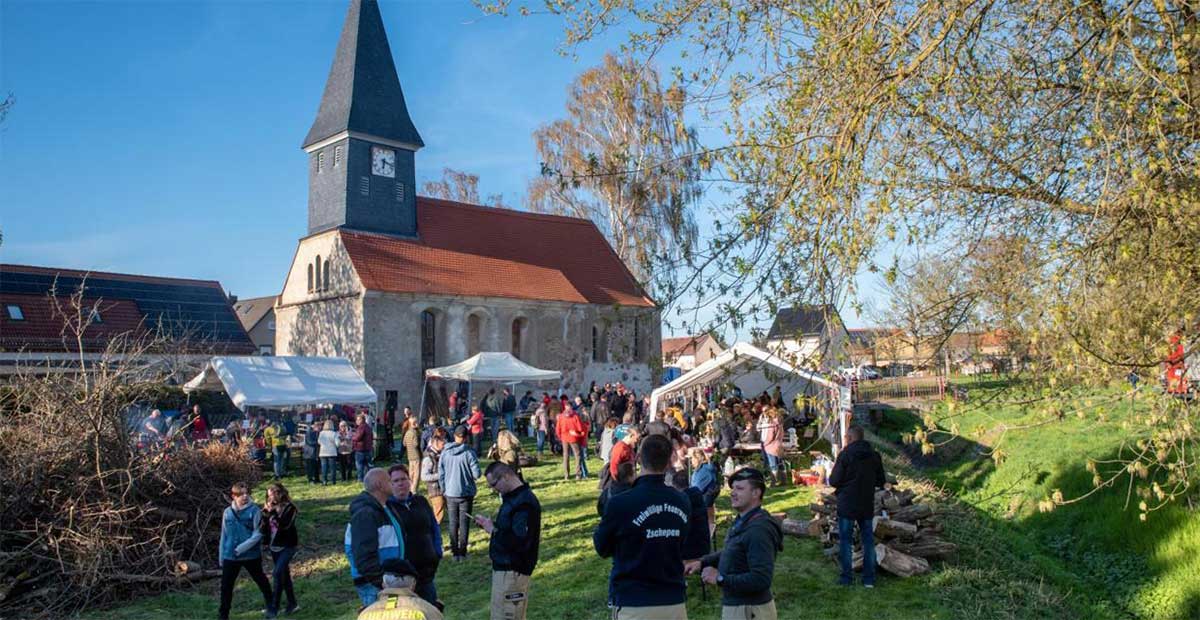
[{"x": 321, "y": 161}]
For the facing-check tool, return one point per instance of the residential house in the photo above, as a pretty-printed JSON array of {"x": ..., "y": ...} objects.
[
  {"x": 810, "y": 336},
  {"x": 257, "y": 316},
  {"x": 687, "y": 352}
]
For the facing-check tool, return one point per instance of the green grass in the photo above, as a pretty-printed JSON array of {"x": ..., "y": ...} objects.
[
  {"x": 1002, "y": 570},
  {"x": 1140, "y": 569}
]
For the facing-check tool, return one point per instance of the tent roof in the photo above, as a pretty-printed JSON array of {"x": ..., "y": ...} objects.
[
  {"x": 740, "y": 354},
  {"x": 499, "y": 367},
  {"x": 254, "y": 381}
]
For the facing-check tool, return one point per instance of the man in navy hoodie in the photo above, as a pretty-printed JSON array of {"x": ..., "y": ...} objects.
[{"x": 643, "y": 530}]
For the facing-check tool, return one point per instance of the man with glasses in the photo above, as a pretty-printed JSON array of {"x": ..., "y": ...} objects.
[{"x": 516, "y": 535}]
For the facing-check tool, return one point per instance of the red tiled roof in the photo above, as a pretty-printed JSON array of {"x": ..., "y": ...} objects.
[
  {"x": 683, "y": 345},
  {"x": 488, "y": 252}
]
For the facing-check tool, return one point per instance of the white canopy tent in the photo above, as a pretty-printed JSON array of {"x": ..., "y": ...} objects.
[
  {"x": 285, "y": 381},
  {"x": 496, "y": 367},
  {"x": 754, "y": 371}
]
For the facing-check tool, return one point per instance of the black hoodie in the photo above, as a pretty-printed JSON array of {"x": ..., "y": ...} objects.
[
  {"x": 747, "y": 562},
  {"x": 856, "y": 474},
  {"x": 643, "y": 530}
]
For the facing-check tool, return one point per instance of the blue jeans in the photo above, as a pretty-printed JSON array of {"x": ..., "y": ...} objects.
[
  {"x": 427, "y": 591},
  {"x": 362, "y": 460},
  {"x": 772, "y": 462},
  {"x": 329, "y": 469},
  {"x": 280, "y": 461},
  {"x": 367, "y": 593},
  {"x": 583, "y": 456},
  {"x": 846, "y": 549},
  {"x": 510, "y": 421},
  {"x": 281, "y": 578},
  {"x": 541, "y": 442}
]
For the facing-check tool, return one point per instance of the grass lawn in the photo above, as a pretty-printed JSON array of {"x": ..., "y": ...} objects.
[
  {"x": 1143, "y": 569},
  {"x": 996, "y": 576}
]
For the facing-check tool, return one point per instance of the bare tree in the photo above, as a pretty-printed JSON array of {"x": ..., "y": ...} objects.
[
  {"x": 459, "y": 186},
  {"x": 624, "y": 158}
]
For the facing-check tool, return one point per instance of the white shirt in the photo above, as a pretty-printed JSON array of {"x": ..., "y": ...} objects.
[{"x": 328, "y": 440}]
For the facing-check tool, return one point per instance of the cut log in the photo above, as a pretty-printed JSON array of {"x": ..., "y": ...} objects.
[
  {"x": 186, "y": 568},
  {"x": 930, "y": 548},
  {"x": 794, "y": 527},
  {"x": 895, "y": 500},
  {"x": 911, "y": 514},
  {"x": 821, "y": 509},
  {"x": 888, "y": 529},
  {"x": 818, "y": 527},
  {"x": 898, "y": 563}
]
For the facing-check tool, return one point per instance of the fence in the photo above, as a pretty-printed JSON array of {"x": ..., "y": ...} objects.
[{"x": 910, "y": 388}]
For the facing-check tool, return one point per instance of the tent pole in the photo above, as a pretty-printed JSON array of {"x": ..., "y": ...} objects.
[{"x": 470, "y": 390}]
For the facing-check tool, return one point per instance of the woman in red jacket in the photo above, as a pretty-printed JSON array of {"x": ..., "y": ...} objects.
[
  {"x": 570, "y": 432},
  {"x": 475, "y": 425}
]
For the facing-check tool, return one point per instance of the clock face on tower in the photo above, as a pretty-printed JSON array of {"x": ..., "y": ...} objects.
[{"x": 383, "y": 162}]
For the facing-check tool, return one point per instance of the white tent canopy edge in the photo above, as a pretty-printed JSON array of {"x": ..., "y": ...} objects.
[
  {"x": 284, "y": 381},
  {"x": 489, "y": 366}
]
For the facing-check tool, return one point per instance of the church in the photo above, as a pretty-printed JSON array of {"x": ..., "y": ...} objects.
[{"x": 398, "y": 283}]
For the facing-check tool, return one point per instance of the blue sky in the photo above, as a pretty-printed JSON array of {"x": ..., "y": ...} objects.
[{"x": 164, "y": 137}]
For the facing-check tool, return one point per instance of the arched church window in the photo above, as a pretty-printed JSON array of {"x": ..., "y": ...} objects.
[
  {"x": 310, "y": 278},
  {"x": 637, "y": 340},
  {"x": 325, "y": 281},
  {"x": 518, "y": 333},
  {"x": 428, "y": 340},
  {"x": 474, "y": 334},
  {"x": 318, "y": 272},
  {"x": 599, "y": 344}
]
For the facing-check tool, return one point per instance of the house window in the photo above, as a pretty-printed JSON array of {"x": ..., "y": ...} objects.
[
  {"x": 15, "y": 313},
  {"x": 428, "y": 340},
  {"x": 310, "y": 278},
  {"x": 266, "y": 349},
  {"x": 271, "y": 325}
]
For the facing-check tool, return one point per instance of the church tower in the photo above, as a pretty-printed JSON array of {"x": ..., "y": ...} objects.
[{"x": 362, "y": 145}]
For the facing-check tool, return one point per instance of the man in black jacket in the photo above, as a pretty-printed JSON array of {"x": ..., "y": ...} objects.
[
  {"x": 745, "y": 567},
  {"x": 422, "y": 534},
  {"x": 643, "y": 530},
  {"x": 697, "y": 543},
  {"x": 516, "y": 535},
  {"x": 856, "y": 474}
]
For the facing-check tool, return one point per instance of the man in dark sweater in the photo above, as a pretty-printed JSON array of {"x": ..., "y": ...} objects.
[
  {"x": 516, "y": 535},
  {"x": 857, "y": 472},
  {"x": 745, "y": 567},
  {"x": 697, "y": 543},
  {"x": 643, "y": 530}
]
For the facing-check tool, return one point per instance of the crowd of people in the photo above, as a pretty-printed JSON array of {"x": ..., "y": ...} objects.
[{"x": 657, "y": 490}]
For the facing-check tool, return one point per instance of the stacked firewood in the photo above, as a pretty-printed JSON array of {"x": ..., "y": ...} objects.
[{"x": 907, "y": 533}]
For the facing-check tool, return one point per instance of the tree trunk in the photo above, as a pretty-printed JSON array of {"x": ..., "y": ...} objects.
[{"x": 929, "y": 548}]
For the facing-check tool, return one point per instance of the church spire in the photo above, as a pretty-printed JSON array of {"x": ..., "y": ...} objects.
[{"x": 362, "y": 94}]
